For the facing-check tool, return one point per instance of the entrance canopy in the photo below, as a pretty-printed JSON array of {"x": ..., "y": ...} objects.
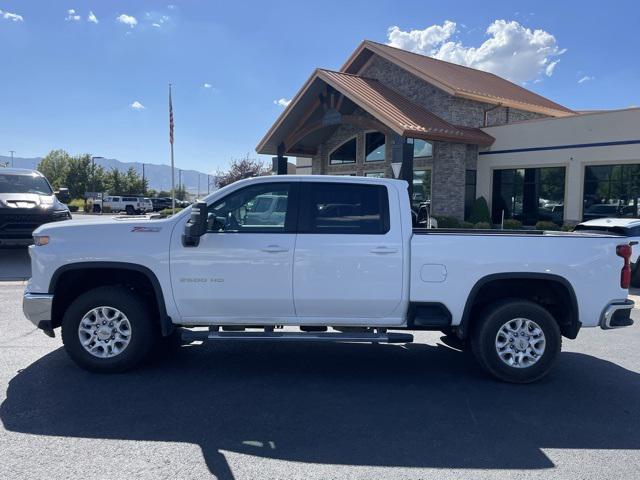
[{"x": 329, "y": 99}]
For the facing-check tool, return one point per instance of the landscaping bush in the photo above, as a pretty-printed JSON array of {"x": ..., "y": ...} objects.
[
  {"x": 568, "y": 226},
  {"x": 167, "y": 212},
  {"x": 512, "y": 224},
  {"x": 77, "y": 203},
  {"x": 73, "y": 208},
  {"x": 479, "y": 211},
  {"x": 482, "y": 226},
  {"x": 547, "y": 226},
  {"x": 447, "y": 222},
  {"x": 467, "y": 225}
]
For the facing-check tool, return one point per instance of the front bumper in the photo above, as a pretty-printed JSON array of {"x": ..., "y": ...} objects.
[
  {"x": 37, "y": 308},
  {"x": 617, "y": 315}
]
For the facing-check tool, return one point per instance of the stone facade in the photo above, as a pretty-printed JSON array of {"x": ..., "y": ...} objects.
[{"x": 449, "y": 161}]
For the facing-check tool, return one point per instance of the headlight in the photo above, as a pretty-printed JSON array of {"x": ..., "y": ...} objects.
[
  {"x": 61, "y": 214},
  {"x": 41, "y": 240}
]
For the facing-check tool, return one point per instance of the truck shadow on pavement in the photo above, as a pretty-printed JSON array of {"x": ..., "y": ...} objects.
[{"x": 371, "y": 405}]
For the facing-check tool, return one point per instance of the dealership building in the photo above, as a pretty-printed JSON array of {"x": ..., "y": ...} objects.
[{"x": 455, "y": 134}]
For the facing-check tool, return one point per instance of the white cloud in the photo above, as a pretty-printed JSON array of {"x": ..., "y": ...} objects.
[
  {"x": 282, "y": 102},
  {"x": 92, "y": 17},
  {"x": 207, "y": 85},
  {"x": 12, "y": 17},
  {"x": 512, "y": 51},
  {"x": 137, "y": 105},
  {"x": 551, "y": 67},
  {"x": 586, "y": 78},
  {"x": 171, "y": 7},
  {"x": 127, "y": 20},
  {"x": 157, "y": 25},
  {"x": 72, "y": 16}
]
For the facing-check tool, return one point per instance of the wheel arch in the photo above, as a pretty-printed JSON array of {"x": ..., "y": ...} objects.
[
  {"x": 109, "y": 273},
  {"x": 556, "y": 292}
]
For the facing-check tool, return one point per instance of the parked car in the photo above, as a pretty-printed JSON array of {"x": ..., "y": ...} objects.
[
  {"x": 26, "y": 202},
  {"x": 129, "y": 205},
  {"x": 160, "y": 204},
  {"x": 608, "y": 210},
  {"x": 366, "y": 274},
  {"x": 624, "y": 227}
]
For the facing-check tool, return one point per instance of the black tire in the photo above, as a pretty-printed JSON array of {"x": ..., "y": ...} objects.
[
  {"x": 144, "y": 333},
  {"x": 485, "y": 331},
  {"x": 129, "y": 209}
]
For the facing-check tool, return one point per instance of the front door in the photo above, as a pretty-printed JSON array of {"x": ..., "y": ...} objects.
[{"x": 242, "y": 269}]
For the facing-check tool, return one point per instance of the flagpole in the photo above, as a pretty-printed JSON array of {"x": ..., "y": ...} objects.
[{"x": 173, "y": 177}]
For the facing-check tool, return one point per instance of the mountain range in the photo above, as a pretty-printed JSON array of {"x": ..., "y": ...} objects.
[{"x": 159, "y": 176}]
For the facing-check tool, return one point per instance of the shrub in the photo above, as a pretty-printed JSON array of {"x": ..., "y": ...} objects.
[
  {"x": 73, "y": 208},
  {"x": 467, "y": 225},
  {"x": 447, "y": 222},
  {"x": 482, "y": 226},
  {"x": 542, "y": 225},
  {"x": 167, "y": 212},
  {"x": 76, "y": 202},
  {"x": 479, "y": 211},
  {"x": 512, "y": 224},
  {"x": 568, "y": 226}
]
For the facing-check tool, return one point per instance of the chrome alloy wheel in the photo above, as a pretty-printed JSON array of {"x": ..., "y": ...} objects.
[
  {"x": 104, "y": 332},
  {"x": 520, "y": 343}
]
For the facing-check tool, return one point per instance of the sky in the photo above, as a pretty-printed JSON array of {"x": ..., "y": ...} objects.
[{"x": 92, "y": 76}]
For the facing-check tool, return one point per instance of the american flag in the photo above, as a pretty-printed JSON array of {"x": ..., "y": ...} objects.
[{"x": 170, "y": 118}]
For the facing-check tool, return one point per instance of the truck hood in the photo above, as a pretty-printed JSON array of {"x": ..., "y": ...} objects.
[
  {"x": 112, "y": 223},
  {"x": 30, "y": 200}
]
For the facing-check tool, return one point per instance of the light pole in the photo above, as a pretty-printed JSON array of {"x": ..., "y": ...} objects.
[
  {"x": 93, "y": 179},
  {"x": 12, "y": 152}
]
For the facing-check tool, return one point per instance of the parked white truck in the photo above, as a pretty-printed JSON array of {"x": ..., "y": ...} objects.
[{"x": 339, "y": 260}]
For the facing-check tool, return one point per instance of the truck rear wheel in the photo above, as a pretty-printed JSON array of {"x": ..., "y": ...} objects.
[
  {"x": 516, "y": 341},
  {"x": 108, "y": 329}
]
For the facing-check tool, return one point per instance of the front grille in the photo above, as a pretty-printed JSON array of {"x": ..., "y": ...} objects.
[{"x": 23, "y": 223}]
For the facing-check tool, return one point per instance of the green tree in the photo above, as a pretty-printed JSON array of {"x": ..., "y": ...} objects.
[
  {"x": 114, "y": 182},
  {"x": 55, "y": 166}
]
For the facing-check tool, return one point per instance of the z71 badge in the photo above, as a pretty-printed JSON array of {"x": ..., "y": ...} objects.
[{"x": 146, "y": 229}]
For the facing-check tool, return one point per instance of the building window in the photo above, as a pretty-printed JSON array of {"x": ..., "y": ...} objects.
[
  {"x": 529, "y": 195},
  {"x": 374, "y": 174},
  {"x": 421, "y": 148},
  {"x": 374, "y": 147},
  {"x": 421, "y": 187},
  {"x": 469, "y": 191},
  {"x": 345, "y": 153},
  {"x": 611, "y": 191}
]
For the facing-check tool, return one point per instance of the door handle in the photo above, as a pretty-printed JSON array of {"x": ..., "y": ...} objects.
[
  {"x": 275, "y": 249},
  {"x": 383, "y": 250}
]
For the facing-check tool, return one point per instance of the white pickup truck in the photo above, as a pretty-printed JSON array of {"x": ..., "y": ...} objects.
[{"x": 339, "y": 260}]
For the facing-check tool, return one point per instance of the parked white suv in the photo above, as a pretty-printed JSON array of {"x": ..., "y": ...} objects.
[
  {"x": 339, "y": 259},
  {"x": 129, "y": 205}
]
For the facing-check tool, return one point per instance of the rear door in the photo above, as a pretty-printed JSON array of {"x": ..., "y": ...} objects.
[{"x": 349, "y": 250}]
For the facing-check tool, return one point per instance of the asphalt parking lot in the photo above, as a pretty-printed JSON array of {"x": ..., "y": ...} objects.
[{"x": 248, "y": 411}]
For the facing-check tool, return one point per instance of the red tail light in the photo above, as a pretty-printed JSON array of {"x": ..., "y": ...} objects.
[{"x": 624, "y": 251}]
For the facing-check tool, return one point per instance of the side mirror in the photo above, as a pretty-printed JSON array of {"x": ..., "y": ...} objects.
[
  {"x": 196, "y": 226},
  {"x": 63, "y": 195}
]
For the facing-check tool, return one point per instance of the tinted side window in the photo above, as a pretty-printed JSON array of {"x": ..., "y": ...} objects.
[
  {"x": 345, "y": 208},
  {"x": 258, "y": 208}
]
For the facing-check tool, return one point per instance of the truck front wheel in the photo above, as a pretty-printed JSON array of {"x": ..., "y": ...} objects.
[
  {"x": 108, "y": 329},
  {"x": 516, "y": 341}
]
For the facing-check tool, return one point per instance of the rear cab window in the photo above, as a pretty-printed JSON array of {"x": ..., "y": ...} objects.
[{"x": 343, "y": 208}]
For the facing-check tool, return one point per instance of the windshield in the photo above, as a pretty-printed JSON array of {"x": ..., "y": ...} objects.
[{"x": 24, "y": 184}]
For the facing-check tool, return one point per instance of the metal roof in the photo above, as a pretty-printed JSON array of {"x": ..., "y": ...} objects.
[
  {"x": 456, "y": 79},
  {"x": 399, "y": 113}
]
